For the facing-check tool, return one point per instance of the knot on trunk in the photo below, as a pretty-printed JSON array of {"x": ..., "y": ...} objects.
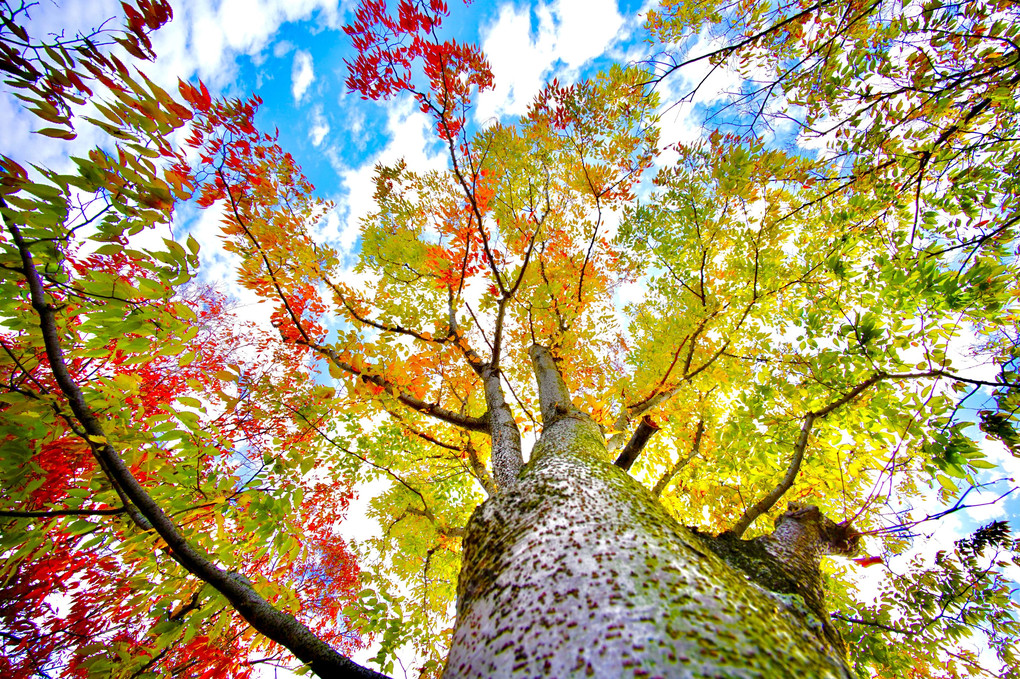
[
  {"x": 787, "y": 562},
  {"x": 804, "y": 534}
]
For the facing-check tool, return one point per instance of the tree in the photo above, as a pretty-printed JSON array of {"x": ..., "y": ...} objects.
[
  {"x": 137, "y": 406},
  {"x": 794, "y": 340}
]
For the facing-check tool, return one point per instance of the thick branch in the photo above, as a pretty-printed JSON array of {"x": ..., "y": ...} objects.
[
  {"x": 281, "y": 627},
  {"x": 507, "y": 459},
  {"x": 552, "y": 390},
  {"x": 434, "y": 409},
  {"x": 776, "y": 493},
  {"x": 451, "y": 531},
  {"x": 378, "y": 325},
  {"x": 646, "y": 427},
  {"x": 477, "y": 468},
  {"x": 497, "y": 334},
  {"x": 466, "y": 447}
]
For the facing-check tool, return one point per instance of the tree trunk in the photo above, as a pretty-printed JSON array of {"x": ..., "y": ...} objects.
[{"x": 577, "y": 570}]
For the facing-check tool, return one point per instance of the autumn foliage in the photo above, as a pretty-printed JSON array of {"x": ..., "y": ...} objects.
[
  {"x": 746, "y": 319},
  {"x": 389, "y": 49},
  {"x": 216, "y": 415},
  {"x": 76, "y": 596}
]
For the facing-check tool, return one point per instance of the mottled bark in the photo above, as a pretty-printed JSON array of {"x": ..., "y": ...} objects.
[
  {"x": 553, "y": 395},
  {"x": 505, "y": 435},
  {"x": 577, "y": 570}
]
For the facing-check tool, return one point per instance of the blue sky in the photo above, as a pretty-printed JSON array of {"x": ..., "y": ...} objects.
[{"x": 293, "y": 57}]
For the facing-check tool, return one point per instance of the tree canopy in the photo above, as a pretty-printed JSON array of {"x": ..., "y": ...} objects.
[{"x": 814, "y": 301}]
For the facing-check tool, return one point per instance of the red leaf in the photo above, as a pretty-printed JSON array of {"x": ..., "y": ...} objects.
[{"x": 866, "y": 561}]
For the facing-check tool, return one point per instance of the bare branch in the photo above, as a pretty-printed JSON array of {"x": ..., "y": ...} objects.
[
  {"x": 661, "y": 484},
  {"x": 769, "y": 501}
]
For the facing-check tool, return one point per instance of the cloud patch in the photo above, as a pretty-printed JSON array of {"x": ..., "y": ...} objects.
[
  {"x": 410, "y": 139},
  {"x": 206, "y": 36},
  {"x": 282, "y": 48},
  {"x": 302, "y": 74},
  {"x": 564, "y": 36},
  {"x": 319, "y": 128}
]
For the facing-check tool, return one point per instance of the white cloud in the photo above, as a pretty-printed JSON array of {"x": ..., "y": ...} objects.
[
  {"x": 587, "y": 27},
  {"x": 985, "y": 506},
  {"x": 206, "y": 36},
  {"x": 354, "y": 124},
  {"x": 318, "y": 133},
  {"x": 302, "y": 74},
  {"x": 19, "y": 143},
  {"x": 320, "y": 128},
  {"x": 569, "y": 33},
  {"x": 411, "y": 139},
  {"x": 282, "y": 48}
]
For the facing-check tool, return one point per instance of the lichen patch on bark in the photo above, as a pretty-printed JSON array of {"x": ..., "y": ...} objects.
[{"x": 578, "y": 571}]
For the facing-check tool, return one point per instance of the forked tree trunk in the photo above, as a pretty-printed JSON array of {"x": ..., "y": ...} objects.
[{"x": 576, "y": 570}]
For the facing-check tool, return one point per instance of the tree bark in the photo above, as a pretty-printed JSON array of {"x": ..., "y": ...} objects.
[{"x": 577, "y": 570}]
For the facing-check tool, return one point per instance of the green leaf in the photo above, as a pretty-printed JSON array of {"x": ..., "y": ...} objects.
[
  {"x": 56, "y": 133},
  {"x": 189, "y": 401}
]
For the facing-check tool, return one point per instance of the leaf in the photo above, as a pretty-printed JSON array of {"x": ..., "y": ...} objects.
[
  {"x": 56, "y": 133},
  {"x": 189, "y": 401}
]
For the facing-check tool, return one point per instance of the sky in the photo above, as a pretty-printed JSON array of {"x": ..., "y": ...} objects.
[{"x": 292, "y": 53}]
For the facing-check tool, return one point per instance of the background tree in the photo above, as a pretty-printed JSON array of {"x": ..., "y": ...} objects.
[
  {"x": 148, "y": 436},
  {"x": 794, "y": 340}
]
